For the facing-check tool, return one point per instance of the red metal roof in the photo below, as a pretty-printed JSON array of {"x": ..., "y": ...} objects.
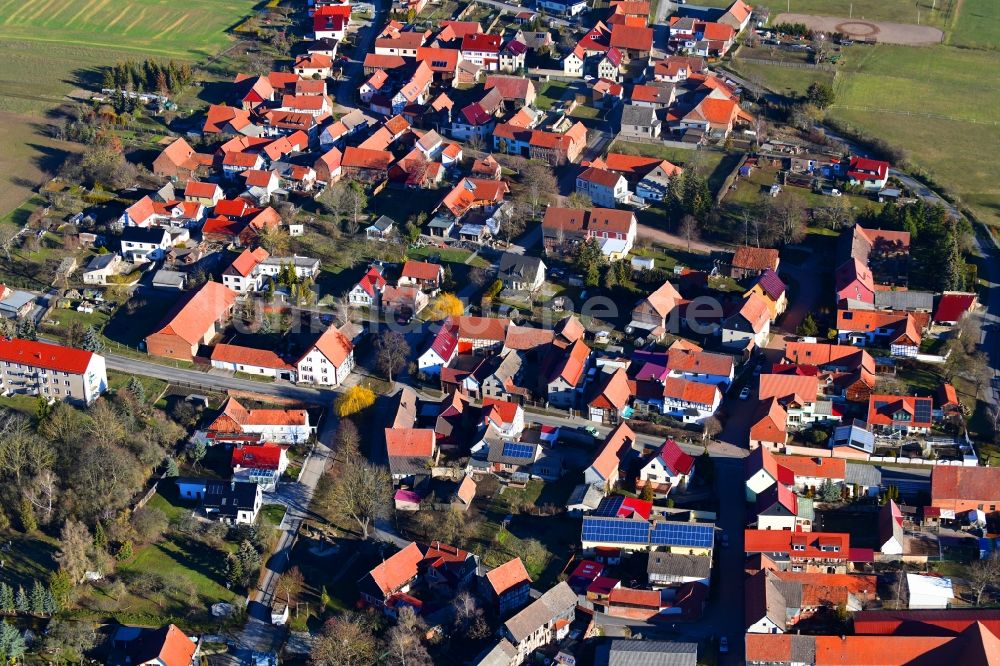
[
  {"x": 264, "y": 456},
  {"x": 44, "y": 355}
]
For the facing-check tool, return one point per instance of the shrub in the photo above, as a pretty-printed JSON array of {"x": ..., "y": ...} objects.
[{"x": 354, "y": 400}]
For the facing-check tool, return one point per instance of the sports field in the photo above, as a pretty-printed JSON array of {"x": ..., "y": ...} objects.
[{"x": 53, "y": 47}]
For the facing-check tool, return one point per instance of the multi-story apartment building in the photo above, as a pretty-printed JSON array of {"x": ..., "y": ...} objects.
[{"x": 51, "y": 371}]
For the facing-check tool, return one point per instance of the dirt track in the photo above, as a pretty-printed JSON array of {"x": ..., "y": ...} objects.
[{"x": 881, "y": 31}]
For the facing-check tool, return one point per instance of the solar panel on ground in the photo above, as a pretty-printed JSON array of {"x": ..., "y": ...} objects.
[
  {"x": 615, "y": 530},
  {"x": 682, "y": 534},
  {"x": 515, "y": 450}
]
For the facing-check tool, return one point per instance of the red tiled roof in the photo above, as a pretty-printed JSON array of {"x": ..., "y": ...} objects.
[
  {"x": 500, "y": 412},
  {"x": 510, "y": 87},
  {"x": 334, "y": 345},
  {"x": 421, "y": 270},
  {"x": 821, "y": 468},
  {"x": 882, "y": 410},
  {"x": 191, "y": 319},
  {"x": 572, "y": 363},
  {"x": 362, "y": 158},
  {"x": 614, "y": 393},
  {"x": 629, "y": 597},
  {"x": 770, "y": 424},
  {"x": 482, "y": 328},
  {"x": 952, "y": 305},
  {"x": 781, "y": 541},
  {"x": 45, "y": 355},
  {"x": 972, "y": 484},
  {"x": 397, "y": 570},
  {"x": 788, "y": 387},
  {"x": 260, "y": 358},
  {"x": 701, "y": 362},
  {"x": 617, "y": 441},
  {"x": 600, "y": 177},
  {"x": 948, "y": 622},
  {"x": 635, "y": 38},
  {"x": 675, "y": 458},
  {"x": 690, "y": 391},
  {"x": 200, "y": 190},
  {"x": 263, "y": 456},
  {"x": 756, "y": 258},
  {"x": 409, "y": 442},
  {"x": 248, "y": 260},
  {"x": 474, "y": 192},
  {"x": 507, "y": 575},
  {"x": 481, "y": 42}
]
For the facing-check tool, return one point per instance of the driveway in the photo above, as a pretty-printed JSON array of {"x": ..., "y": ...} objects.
[{"x": 666, "y": 238}]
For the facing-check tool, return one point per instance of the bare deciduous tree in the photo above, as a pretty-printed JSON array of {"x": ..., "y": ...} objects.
[
  {"x": 43, "y": 491},
  {"x": 362, "y": 492}
]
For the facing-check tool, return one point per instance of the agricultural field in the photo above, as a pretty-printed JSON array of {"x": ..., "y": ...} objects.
[
  {"x": 932, "y": 12},
  {"x": 934, "y": 103},
  {"x": 791, "y": 82},
  {"x": 54, "y": 48},
  {"x": 149, "y": 28},
  {"x": 977, "y": 26}
]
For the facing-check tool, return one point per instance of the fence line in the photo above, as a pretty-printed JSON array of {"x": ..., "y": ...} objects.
[
  {"x": 919, "y": 114},
  {"x": 787, "y": 63}
]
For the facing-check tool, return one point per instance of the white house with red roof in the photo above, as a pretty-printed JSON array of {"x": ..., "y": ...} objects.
[
  {"x": 237, "y": 424},
  {"x": 604, "y": 470},
  {"x": 762, "y": 470},
  {"x": 868, "y": 173},
  {"x": 483, "y": 50},
  {"x": 330, "y": 22},
  {"x": 328, "y": 361},
  {"x": 369, "y": 288},
  {"x": 421, "y": 274},
  {"x": 242, "y": 275},
  {"x": 442, "y": 351},
  {"x": 51, "y": 371},
  {"x": 261, "y": 463},
  {"x": 667, "y": 468},
  {"x": 503, "y": 417},
  {"x": 250, "y": 361}
]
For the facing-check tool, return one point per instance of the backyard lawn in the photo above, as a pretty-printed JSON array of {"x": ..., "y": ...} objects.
[
  {"x": 26, "y": 557},
  {"x": 550, "y": 94}
]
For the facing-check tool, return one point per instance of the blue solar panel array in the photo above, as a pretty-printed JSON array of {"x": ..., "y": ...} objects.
[
  {"x": 615, "y": 530},
  {"x": 682, "y": 534},
  {"x": 627, "y": 530},
  {"x": 922, "y": 411},
  {"x": 609, "y": 506},
  {"x": 515, "y": 450}
]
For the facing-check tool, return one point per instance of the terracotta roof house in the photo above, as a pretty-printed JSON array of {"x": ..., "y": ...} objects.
[
  {"x": 810, "y": 552},
  {"x": 509, "y": 585},
  {"x": 666, "y": 468},
  {"x": 604, "y": 188},
  {"x": 441, "y": 351},
  {"x": 421, "y": 274},
  {"x": 327, "y": 361},
  {"x": 762, "y": 471},
  {"x": 965, "y": 488},
  {"x": 614, "y": 230},
  {"x": 179, "y": 161},
  {"x": 610, "y": 398},
  {"x": 236, "y": 424},
  {"x": 635, "y": 42},
  {"x": 259, "y": 362},
  {"x": 486, "y": 167},
  {"x": 166, "y": 646},
  {"x": 750, "y": 261},
  {"x": 900, "y": 331},
  {"x": 516, "y": 89},
  {"x": 366, "y": 165},
  {"x": 474, "y": 193},
  {"x": 768, "y": 430},
  {"x": 750, "y": 326},
  {"x": 411, "y": 452},
  {"x": 480, "y": 334},
  {"x": 394, "y": 575},
  {"x": 194, "y": 321},
  {"x": 564, "y": 382},
  {"x": 367, "y": 291},
  {"x": 604, "y": 470}
]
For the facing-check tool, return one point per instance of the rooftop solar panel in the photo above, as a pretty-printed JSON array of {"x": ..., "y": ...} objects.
[
  {"x": 922, "y": 411},
  {"x": 514, "y": 450},
  {"x": 609, "y": 506},
  {"x": 682, "y": 534},
  {"x": 615, "y": 530}
]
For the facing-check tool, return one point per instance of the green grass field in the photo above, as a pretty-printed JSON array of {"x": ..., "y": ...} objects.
[
  {"x": 186, "y": 29},
  {"x": 54, "y": 47},
  {"x": 938, "y": 103},
  {"x": 932, "y": 12},
  {"x": 978, "y": 25},
  {"x": 788, "y": 81}
]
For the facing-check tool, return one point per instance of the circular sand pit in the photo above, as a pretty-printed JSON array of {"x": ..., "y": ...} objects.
[{"x": 860, "y": 29}]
